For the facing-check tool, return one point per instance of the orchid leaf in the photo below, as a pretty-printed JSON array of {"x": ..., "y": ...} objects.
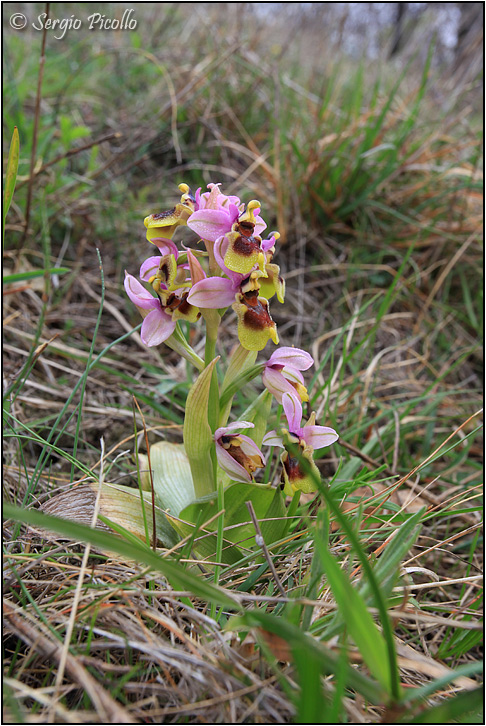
[
  {"x": 119, "y": 505},
  {"x": 238, "y": 527},
  {"x": 198, "y": 437},
  {"x": 172, "y": 478}
]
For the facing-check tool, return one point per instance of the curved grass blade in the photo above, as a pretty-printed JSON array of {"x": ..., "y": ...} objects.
[{"x": 179, "y": 577}]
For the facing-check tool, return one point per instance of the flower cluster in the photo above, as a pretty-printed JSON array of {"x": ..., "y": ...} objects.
[
  {"x": 235, "y": 269},
  {"x": 240, "y": 271}
]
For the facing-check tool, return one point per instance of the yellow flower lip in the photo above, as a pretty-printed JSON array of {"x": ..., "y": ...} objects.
[{"x": 255, "y": 324}]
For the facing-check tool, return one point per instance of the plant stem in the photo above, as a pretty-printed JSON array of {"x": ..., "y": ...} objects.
[{"x": 36, "y": 125}]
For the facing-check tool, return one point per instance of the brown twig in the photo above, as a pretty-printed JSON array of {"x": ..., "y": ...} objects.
[
  {"x": 36, "y": 124},
  {"x": 67, "y": 154}
]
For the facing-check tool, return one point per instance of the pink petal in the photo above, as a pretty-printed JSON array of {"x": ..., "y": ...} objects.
[
  {"x": 292, "y": 357},
  {"x": 210, "y": 224},
  {"x": 249, "y": 447},
  {"x": 292, "y": 374},
  {"x": 197, "y": 272},
  {"x": 213, "y": 292},
  {"x": 234, "y": 426},
  {"x": 156, "y": 327},
  {"x": 276, "y": 383},
  {"x": 139, "y": 295},
  {"x": 231, "y": 467},
  {"x": 149, "y": 268},
  {"x": 267, "y": 244},
  {"x": 319, "y": 436},
  {"x": 293, "y": 411},
  {"x": 166, "y": 246},
  {"x": 260, "y": 224},
  {"x": 273, "y": 439}
]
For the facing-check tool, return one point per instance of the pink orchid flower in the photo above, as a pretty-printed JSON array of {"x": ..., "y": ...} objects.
[
  {"x": 237, "y": 454},
  {"x": 315, "y": 437},
  {"x": 282, "y": 372},
  {"x": 157, "y": 325},
  {"x": 216, "y": 213}
]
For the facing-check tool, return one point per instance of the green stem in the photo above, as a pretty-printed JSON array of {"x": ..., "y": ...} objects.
[{"x": 212, "y": 319}]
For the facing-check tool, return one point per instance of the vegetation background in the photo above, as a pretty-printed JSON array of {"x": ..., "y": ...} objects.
[{"x": 359, "y": 127}]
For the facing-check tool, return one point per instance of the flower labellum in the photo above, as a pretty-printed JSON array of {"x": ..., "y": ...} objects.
[
  {"x": 255, "y": 325},
  {"x": 243, "y": 248}
]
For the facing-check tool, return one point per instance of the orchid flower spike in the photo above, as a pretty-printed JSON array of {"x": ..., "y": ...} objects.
[{"x": 237, "y": 454}]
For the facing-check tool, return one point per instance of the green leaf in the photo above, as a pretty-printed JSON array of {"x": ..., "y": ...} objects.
[
  {"x": 238, "y": 527},
  {"x": 359, "y": 622},
  {"x": 18, "y": 276},
  {"x": 276, "y": 515},
  {"x": 179, "y": 578},
  {"x": 198, "y": 437},
  {"x": 172, "y": 478},
  {"x": 11, "y": 174}
]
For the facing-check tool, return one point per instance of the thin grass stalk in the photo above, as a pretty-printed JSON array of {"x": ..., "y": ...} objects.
[{"x": 36, "y": 124}]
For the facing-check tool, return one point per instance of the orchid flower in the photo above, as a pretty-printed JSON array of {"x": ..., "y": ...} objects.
[
  {"x": 163, "y": 273},
  {"x": 157, "y": 325},
  {"x": 307, "y": 437},
  {"x": 165, "y": 223},
  {"x": 315, "y": 436},
  {"x": 241, "y": 248},
  {"x": 237, "y": 454},
  {"x": 215, "y": 213},
  {"x": 282, "y": 372},
  {"x": 170, "y": 305}
]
